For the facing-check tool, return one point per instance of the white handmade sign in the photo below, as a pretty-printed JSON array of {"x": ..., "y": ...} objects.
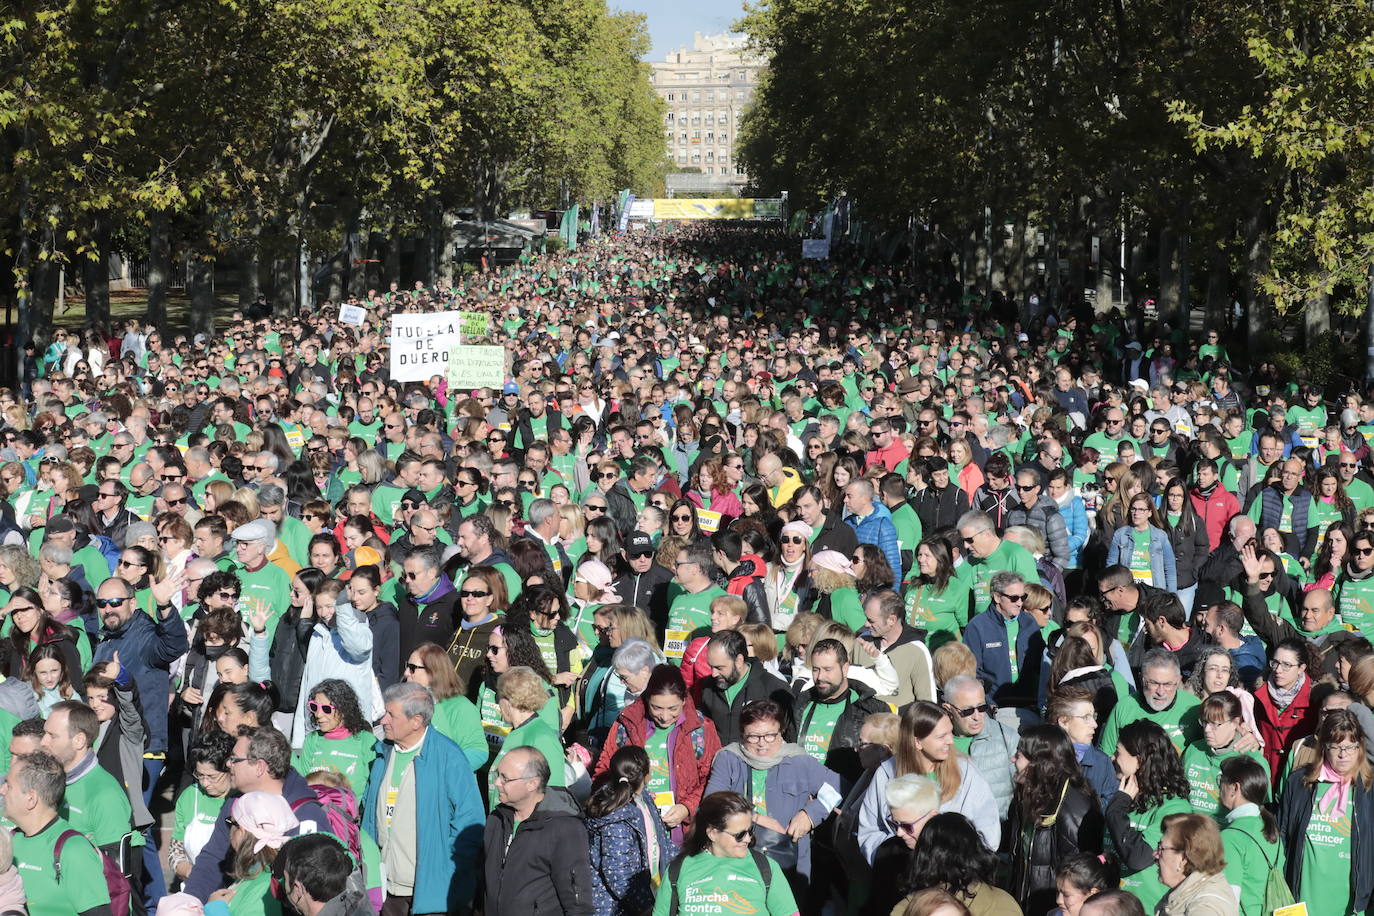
[{"x": 420, "y": 345}]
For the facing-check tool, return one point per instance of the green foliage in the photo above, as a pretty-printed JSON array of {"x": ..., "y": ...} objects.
[
  {"x": 1244, "y": 126},
  {"x": 277, "y": 123}
]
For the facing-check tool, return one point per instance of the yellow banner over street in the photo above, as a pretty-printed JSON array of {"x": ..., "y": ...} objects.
[{"x": 713, "y": 208}]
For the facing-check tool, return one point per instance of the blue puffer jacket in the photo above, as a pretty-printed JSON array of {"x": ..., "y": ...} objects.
[
  {"x": 146, "y": 650},
  {"x": 450, "y": 823},
  {"x": 1075, "y": 516},
  {"x": 877, "y": 529}
]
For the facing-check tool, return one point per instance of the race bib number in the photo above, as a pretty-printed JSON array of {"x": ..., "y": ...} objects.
[
  {"x": 675, "y": 643},
  {"x": 295, "y": 439},
  {"x": 390, "y": 810},
  {"x": 709, "y": 521}
]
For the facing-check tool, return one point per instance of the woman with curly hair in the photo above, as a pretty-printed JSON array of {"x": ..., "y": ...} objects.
[
  {"x": 710, "y": 490},
  {"x": 18, "y": 569},
  {"x": 1054, "y": 814},
  {"x": 836, "y": 583},
  {"x": 1152, "y": 786},
  {"x": 341, "y": 738},
  {"x": 871, "y": 569},
  {"x": 510, "y": 645}
]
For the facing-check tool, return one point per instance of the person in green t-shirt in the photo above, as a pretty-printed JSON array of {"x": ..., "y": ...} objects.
[
  {"x": 1152, "y": 786},
  {"x": 520, "y": 695},
  {"x": 690, "y": 611},
  {"x": 987, "y": 554},
  {"x": 718, "y": 874},
  {"x": 198, "y": 806},
  {"x": 1249, "y": 834},
  {"x": 1160, "y": 701},
  {"x": 342, "y": 740},
  {"x": 937, "y": 600},
  {"x": 1223, "y": 732},
  {"x": 94, "y": 802},
  {"x": 1323, "y": 807},
  {"x": 33, "y": 792}
]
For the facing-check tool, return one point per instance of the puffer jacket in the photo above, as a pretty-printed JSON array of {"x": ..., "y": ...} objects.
[
  {"x": 1044, "y": 517},
  {"x": 1075, "y": 826},
  {"x": 746, "y": 581},
  {"x": 343, "y": 651},
  {"x": 991, "y": 753},
  {"x": 618, "y": 847}
]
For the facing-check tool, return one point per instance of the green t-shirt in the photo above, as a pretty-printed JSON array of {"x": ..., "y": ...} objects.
[
  {"x": 818, "y": 722},
  {"x": 1249, "y": 856},
  {"x": 538, "y": 734},
  {"x": 400, "y": 762},
  {"x": 688, "y": 613},
  {"x": 350, "y": 756},
  {"x": 1007, "y": 556},
  {"x": 194, "y": 806},
  {"x": 709, "y": 885},
  {"x": 1203, "y": 768},
  {"x": 1013, "y": 630},
  {"x": 1179, "y": 720},
  {"x": 758, "y": 790},
  {"x": 846, "y": 608},
  {"x": 253, "y": 896},
  {"x": 268, "y": 587},
  {"x": 943, "y": 614},
  {"x": 1355, "y": 603},
  {"x": 1145, "y": 884},
  {"x": 1326, "y": 884},
  {"x": 458, "y": 719},
  {"x": 83, "y": 884},
  {"x": 660, "y": 776},
  {"x": 1140, "y": 565},
  {"x": 97, "y": 805}
]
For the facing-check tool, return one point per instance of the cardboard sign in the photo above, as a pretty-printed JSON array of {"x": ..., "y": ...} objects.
[
  {"x": 420, "y": 345},
  {"x": 352, "y": 314},
  {"x": 474, "y": 366},
  {"x": 475, "y": 324}
]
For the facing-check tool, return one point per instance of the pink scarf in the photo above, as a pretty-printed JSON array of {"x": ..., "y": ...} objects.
[
  {"x": 1334, "y": 802},
  {"x": 338, "y": 734}
]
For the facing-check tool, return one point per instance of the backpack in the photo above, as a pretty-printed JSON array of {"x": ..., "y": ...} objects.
[
  {"x": 1276, "y": 891},
  {"x": 120, "y": 890},
  {"x": 675, "y": 871},
  {"x": 341, "y": 810}
]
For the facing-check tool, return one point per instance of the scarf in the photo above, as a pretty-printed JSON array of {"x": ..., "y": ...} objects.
[
  {"x": 337, "y": 734},
  {"x": 1282, "y": 698},
  {"x": 763, "y": 763},
  {"x": 1334, "y": 802},
  {"x": 1206, "y": 492}
]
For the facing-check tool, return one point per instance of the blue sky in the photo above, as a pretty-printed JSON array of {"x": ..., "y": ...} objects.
[{"x": 673, "y": 22}]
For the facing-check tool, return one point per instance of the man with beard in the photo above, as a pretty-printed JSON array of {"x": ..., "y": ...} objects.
[
  {"x": 736, "y": 679},
  {"x": 1160, "y": 700},
  {"x": 831, "y": 712}
]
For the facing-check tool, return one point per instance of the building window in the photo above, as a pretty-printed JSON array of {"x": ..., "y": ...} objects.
[
  {"x": 670, "y": 117},
  {"x": 739, "y": 94},
  {"x": 670, "y": 98},
  {"x": 710, "y": 135},
  {"x": 710, "y": 170},
  {"x": 724, "y": 138},
  {"x": 710, "y": 96},
  {"x": 696, "y": 96}
]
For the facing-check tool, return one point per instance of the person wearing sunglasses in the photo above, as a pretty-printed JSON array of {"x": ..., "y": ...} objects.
[
  {"x": 720, "y": 844},
  {"x": 340, "y": 738},
  {"x": 1008, "y": 645},
  {"x": 989, "y": 744}
]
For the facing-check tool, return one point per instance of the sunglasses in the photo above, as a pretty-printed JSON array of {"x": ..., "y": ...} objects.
[
  {"x": 591, "y": 508},
  {"x": 493, "y": 649},
  {"x": 1016, "y": 598},
  {"x": 469, "y": 593},
  {"x": 793, "y": 539},
  {"x": 110, "y": 602},
  {"x": 326, "y": 709},
  {"x": 609, "y": 475},
  {"x": 984, "y": 708}
]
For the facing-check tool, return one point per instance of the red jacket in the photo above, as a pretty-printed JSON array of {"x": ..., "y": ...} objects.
[
  {"x": 688, "y": 771},
  {"x": 1282, "y": 730},
  {"x": 1215, "y": 512}
]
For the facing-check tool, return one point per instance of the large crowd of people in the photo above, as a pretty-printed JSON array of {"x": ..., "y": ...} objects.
[{"x": 759, "y": 586}]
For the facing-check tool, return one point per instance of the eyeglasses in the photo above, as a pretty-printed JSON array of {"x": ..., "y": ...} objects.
[
  {"x": 167, "y": 539},
  {"x": 326, "y": 709},
  {"x": 680, "y": 517},
  {"x": 469, "y": 593},
  {"x": 496, "y": 438},
  {"x": 739, "y": 837},
  {"x": 984, "y": 708},
  {"x": 1022, "y": 488},
  {"x": 172, "y": 477},
  {"x": 1016, "y": 598},
  {"x": 593, "y": 508},
  {"x": 492, "y": 648},
  {"x": 792, "y": 539},
  {"x": 502, "y": 778},
  {"x": 1280, "y": 665},
  {"x": 907, "y": 826},
  {"x": 607, "y": 475},
  {"x": 231, "y": 761},
  {"x": 1345, "y": 750},
  {"x": 411, "y": 668},
  {"x": 769, "y": 738},
  {"x": 176, "y": 502},
  {"x": 133, "y": 564}
]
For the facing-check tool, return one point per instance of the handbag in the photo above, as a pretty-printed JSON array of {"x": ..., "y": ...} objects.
[{"x": 779, "y": 847}]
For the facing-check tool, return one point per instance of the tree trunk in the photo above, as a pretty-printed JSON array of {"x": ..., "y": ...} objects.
[
  {"x": 1108, "y": 253},
  {"x": 357, "y": 253},
  {"x": 250, "y": 265},
  {"x": 284, "y": 268},
  {"x": 1170, "y": 274},
  {"x": 391, "y": 261},
  {"x": 1259, "y": 305},
  {"x": 1218, "y": 290},
  {"x": 1316, "y": 318},
  {"x": 376, "y": 252},
  {"x": 200, "y": 286},
  {"x": 159, "y": 268},
  {"x": 96, "y": 272}
]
